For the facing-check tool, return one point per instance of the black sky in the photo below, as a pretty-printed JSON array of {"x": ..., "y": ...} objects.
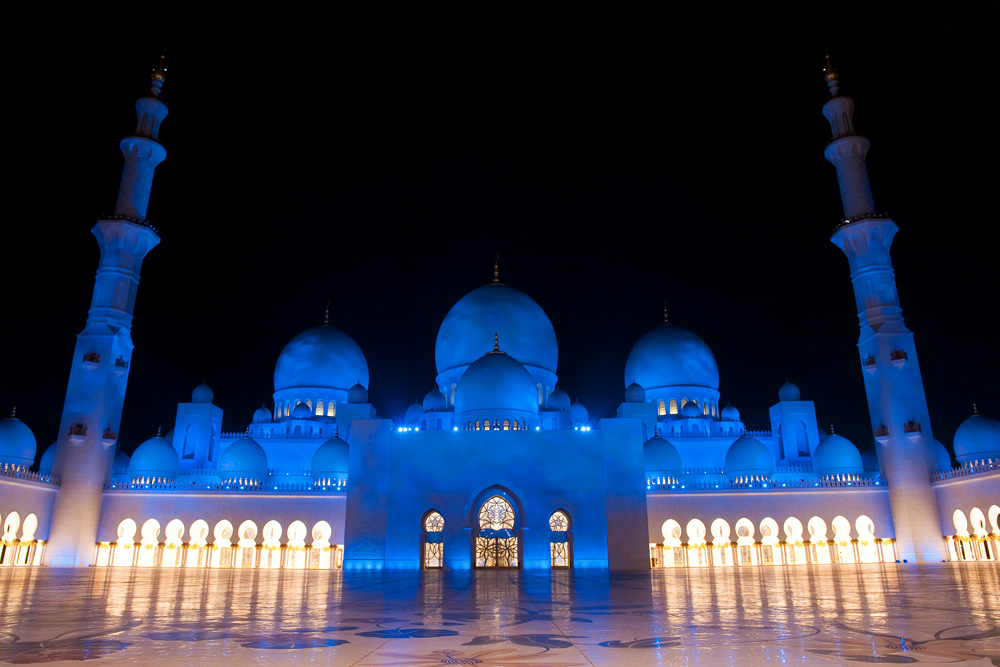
[{"x": 612, "y": 159}]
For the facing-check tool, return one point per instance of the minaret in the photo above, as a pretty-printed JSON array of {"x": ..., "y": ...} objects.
[
  {"x": 896, "y": 401},
  {"x": 88, "y": 431}
]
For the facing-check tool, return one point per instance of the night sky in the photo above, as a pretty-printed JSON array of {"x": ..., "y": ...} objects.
[{"x": 614, "y": 160}]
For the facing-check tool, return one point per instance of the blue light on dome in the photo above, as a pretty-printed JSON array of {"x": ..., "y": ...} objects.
[
  {"x": 670, "y": 356},
  {"x": 322, "y": 356}
]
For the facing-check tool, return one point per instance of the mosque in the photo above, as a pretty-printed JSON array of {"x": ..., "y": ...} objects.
[{"x": 495, "y": 467}]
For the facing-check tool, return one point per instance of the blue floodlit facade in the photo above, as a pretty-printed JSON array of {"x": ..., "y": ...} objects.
[{"x": 495, "y": 467}]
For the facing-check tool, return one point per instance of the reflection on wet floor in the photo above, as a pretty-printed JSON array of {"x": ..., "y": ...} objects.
[{"x": 860, "y": 613}]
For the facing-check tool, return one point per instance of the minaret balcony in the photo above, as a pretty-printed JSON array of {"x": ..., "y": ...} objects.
[
  {"x": 77, "y": 433},
  {"x": 882, "y": 434},
  {"x": 91, "y": 359},
  {"x": 121, "y": 366},
  {"x": 898, "y": 358},
  {"x": 108, "y": 437},
  {"x": 869, "y": 363},
  {"x": 911, "y": 428}
]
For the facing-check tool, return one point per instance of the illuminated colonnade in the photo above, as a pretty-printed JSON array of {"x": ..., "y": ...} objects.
[
  {"x": 724, "y": 546},
  {"x": 23, "y": 550},
  {"x": 247, "y": 547},
  {"x": 977, "y": 536}
]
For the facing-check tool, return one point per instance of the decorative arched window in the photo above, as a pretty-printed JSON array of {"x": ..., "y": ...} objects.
[
  {"x": 541, "y": 394},
  {"x": 515, "y": 424},
  {"x": 496, "y": 544},
  {"x": 673, "y": 406},
  {"x": 433, "y": 541},
  {"x": 331, "y": 409},
  {"x": 309, "y": 404},
  {"x": 319, "y": 408},
  {"x": 559, "y": 546},
  {"x": 486, "y": 424},
  {"x": 661, "y": 408},
  {"x": 506, "y": 424}
]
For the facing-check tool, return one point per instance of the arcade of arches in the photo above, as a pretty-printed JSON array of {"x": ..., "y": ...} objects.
[{"x": 976, "y": 537}]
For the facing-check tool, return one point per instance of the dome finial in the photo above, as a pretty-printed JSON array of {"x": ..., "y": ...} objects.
[
  {"x": 666, "y": 319},
  {"x": 496, "y": 268},
  {"x": 13, "y": 410},
  {"x": 158, "y": 76},
  {"x": 326, "y": 314},
  {"x": 975, "y": 410},
  {"x": 832, "y": 432},
  {"x": 496, "y": 341},
  {"x": 832, "y": 76},
  {"x": 159, "y": 429}
]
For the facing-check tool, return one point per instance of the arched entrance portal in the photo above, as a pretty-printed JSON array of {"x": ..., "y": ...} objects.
[{"x": 497, "y": 543}]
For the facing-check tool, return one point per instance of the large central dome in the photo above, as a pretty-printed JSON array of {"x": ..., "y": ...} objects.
[
  {"x": 322, "y": 356},
  {"x": 523, "y": 327},
  {"x": 671, "y": 356}
]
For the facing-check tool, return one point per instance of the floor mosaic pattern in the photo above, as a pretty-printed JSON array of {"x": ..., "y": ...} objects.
[{"x": 947, "y": 613}]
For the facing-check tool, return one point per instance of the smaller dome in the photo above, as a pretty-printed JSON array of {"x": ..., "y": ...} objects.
[
  {"x": 789, "y": 392},
  {"x": 17, "y": 443},
  {"x": 435, "y": 400},
  {"x": 634, "y": 393},
  {"x": 302, "y": 411},
  {"x": 558, "y": 400},
  {"x": 837, "y": 455},
  {"x": 691, "y": 409},
  {"x": 977, "y": 438},
  {"x": 244, "y": 459},
  {"x": 48, "y": 460},
  {"x": 748, "y": 457},
  {"x": 578, "y": 413},
  {"x": 202, "y": 394},
  {"x": 155, "y": 458},
  {"x": 331, "y": 460},
  {"x": 262, "y": 415},
  {"x": 661, "y": 457},
  {"x": 496, "y": 382},
  {"x": 730, "y": 414},
  {"x": 413, "y": 414},
  {"x": 942, "y": 456},
  {"x": 122, "y": 460},
  {"x": 869, "y": 460},
  {"x": 357, "y": 394}
]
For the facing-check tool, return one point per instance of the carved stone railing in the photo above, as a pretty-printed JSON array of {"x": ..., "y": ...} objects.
[
  {"x": 767, "y": 486},
  {"x": 989, "y": 465}
]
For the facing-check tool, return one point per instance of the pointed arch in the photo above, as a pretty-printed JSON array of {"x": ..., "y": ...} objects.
[
  {"x": 560, "y": 539},
  {"x": 432, "y": 540},
  {"x": 498, "y": 518}
]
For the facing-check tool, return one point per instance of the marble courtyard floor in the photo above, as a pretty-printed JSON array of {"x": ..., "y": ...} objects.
[{"x": 943, "y": 613}]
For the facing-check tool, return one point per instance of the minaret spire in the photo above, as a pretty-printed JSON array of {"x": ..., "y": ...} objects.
[
  {"x": 666, "y": 319},
  {"x": 896, "y": 402},
  {"x": 496, "y": 268},
  {"x": 142, "y": 150},
  {"x": 98, "y": 377},
  {"x": 847, "y": 151}
]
